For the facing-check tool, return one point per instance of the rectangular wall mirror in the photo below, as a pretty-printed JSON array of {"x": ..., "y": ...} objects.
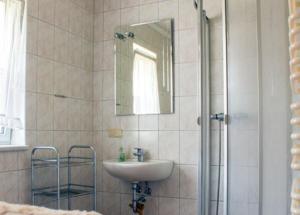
[{"x": 144, "y": 68}]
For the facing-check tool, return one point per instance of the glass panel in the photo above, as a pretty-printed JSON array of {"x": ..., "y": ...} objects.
[{"x": 243, "y": 107}]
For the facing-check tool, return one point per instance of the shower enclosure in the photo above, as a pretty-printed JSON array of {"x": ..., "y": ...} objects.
[{"x": 229, "y": 170}]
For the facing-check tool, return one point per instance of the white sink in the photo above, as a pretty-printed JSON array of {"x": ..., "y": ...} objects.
[{"x": 134, "y": 171}]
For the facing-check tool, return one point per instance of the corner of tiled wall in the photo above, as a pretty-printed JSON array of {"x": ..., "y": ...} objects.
[{"x": 59, "y": 61}]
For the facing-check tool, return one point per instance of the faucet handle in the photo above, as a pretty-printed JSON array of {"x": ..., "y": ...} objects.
[
  {"x": 139, "y": 154},
  {"x": 139, "y": 150}
]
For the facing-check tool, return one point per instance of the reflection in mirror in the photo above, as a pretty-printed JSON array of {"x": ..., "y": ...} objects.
[{"x": 144, "y": 68}]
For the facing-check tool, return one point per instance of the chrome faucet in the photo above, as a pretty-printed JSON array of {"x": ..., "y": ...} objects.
[{"x": 139, "y": 154}]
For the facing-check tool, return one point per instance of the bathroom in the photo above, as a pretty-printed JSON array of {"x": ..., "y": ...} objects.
[{"x": 218, "y": 139}]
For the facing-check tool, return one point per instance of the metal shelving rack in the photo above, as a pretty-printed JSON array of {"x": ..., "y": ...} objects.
[{"x": 61, "y": 191}]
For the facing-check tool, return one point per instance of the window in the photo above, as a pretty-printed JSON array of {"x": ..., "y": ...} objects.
[
  {"x": 145, "y": 85},
  {"x": 12, "y": 67}
]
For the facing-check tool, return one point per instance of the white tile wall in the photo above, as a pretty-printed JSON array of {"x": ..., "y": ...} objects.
[{"x": 171, "y": 136}]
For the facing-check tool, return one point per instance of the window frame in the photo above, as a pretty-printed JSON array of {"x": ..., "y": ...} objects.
[{"x": 5, "y": 136}]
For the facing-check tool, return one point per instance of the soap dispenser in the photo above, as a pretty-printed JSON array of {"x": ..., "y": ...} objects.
[{"x": 122, "y": 156}]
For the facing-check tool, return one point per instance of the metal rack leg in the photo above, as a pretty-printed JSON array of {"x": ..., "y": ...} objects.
[
  {"x": 32, "y": 185},
  {"x": 69, "y": 182},
  {"x": 58, "y": 182},
  {"x": 95, "y": 182}
]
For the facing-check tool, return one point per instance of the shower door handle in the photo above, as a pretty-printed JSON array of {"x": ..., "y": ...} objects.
[
  {"x": 199, "y": 120},
  {"x": 195, "y": 2}
]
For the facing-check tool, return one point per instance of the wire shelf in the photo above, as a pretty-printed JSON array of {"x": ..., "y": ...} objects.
[{"x": 60, "y": 191}]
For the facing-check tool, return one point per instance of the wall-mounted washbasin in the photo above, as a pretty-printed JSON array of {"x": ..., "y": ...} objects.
[{"x": 134, "y": 171}]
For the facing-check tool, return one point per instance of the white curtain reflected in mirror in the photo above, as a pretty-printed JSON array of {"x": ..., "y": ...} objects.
[{"x": 145, "y": 83}]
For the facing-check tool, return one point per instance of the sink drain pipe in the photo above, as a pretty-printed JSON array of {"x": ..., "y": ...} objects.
[{"x": 139, "y": 197}]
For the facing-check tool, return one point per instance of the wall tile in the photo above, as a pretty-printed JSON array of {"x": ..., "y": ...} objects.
[
  {"x": 75, "y": 44},
  {"x": 188, "y": 113},
  {"x": 31, "y": 72},
  {"x": 129, "y": 122},
  {"x": 98, "y": 6},
  {"x": 188, "y": 181},
  {"x": 108, "y": 55},
  {"x": 148, "y": 122},
  {"x": 188, "y": 207},
  {"x": 44, "y": 138},
  {"x": 62, "y": 10},
  {"x": 98, "y": 56},
  {"x": 111, "y": 4},
  {"x": 31, "y": 115},
  {"x": 152, "y": 206},
  {"x": 111, "y": 204},
  {"x": 142, "y": 2},
  {"x": 111, "y": 147},
  {"x": 108, "y": 84},
  {"x": 45, "y": 40},
  {"x": 32, "y": 35},
  {"x": 98, "y": 27},
  {"x": 33, "y": 8},
  {"x": 170, "y": 186},
  {"x": 9, "y": 187},
  {"x": 149, "y": 12},
  {"x": 149, "y": 142},
  {"x": 129, "y": 141},
  {"x": 24, "y": 187},
  {"x": 76, "y": 21},
  {"x": 8, "y": 161},
  {"x": 44, "y": 112},
  {"x": 62, "y": 79},
  {"x": 74, "y": 119},
  {"x": 129, "y": 3},
  {"x": 168, "y": 206},
  {"x": 109, "y": 118},
  {"x": 170, "y": 121},
  {"x": 130, "y": 15},
  {"x": 98, "y": 145},
  {"x": 188, "y": 50},
  {"x": 61, "y": 46},
  {"x": 111, "y": 21},
  {"x": 60, "y": 141},
  {"x": 110, "y": 183},
  {"x": 46, "y": 10},
  {"x": 169, "y": 9},
  {"x": 45, "y": 76},
  {"x": 169, "y": 145},
  {"x": 60, "y": 114},
  {"x": 188, "y": 79},
  {"x": 125, "y": 200},
  {"x": 189, "y": 147}
]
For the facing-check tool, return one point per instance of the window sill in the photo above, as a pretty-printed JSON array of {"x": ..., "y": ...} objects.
[{"x": 8, "y": 148}]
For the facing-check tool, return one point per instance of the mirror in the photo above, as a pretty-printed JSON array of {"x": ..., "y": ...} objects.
[{"x": 144, "y": 68}]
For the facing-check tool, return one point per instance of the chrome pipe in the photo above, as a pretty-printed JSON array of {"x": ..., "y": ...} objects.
[{"x": 226, "y": 120}]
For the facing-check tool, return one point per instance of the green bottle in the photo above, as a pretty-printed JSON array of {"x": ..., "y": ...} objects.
[{"x": 122, "y": 156}]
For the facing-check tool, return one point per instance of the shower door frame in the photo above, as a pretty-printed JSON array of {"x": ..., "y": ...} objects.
[{"x": 204, "y": 110}]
